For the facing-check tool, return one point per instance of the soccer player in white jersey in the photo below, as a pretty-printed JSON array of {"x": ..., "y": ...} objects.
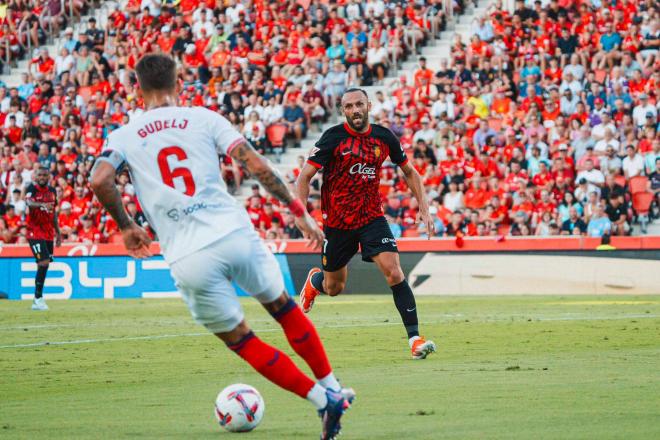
[{"x": 207, "y": 239}]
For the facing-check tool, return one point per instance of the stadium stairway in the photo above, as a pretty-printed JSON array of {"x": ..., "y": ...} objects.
[
  {"x": 13, "y": 77},
  {"x": 434, "y": 51}
]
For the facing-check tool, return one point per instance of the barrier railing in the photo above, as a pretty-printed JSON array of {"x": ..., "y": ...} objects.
[
  {"x": 7, "y": 57},
  {"x": 19, "y": 33},
  {"x": 46, "y": 24},
  {"x": 445, "y": 244}
]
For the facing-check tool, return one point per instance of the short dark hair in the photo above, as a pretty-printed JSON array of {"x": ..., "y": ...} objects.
[
  {"x": 156, "y": 72},
  {"x": 356, "y": 89}
]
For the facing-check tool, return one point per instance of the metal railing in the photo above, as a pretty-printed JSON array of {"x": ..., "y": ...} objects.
[
  {"x": 394, "y": 58},
  {"x": 71, "y": 10},
  {"x": 430, "y": 22},
  {"x": 46, "y": 24},
  {"x": 19, "y": 33},
  {"x": 411, "y": 41},
  {"x": 448, "y": 6},
  {"x": 7, "y": 66}
]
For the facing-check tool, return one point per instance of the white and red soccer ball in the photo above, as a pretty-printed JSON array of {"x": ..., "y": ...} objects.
[{"x": 239, "y": 408}]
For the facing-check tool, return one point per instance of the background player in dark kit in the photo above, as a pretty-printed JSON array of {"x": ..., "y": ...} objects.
[
  {"x": 43, "y": 230},
  {"x": 351, "y": 155}
]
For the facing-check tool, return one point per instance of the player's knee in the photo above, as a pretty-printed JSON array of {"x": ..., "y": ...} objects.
[
  {"x": 393, "y": 275},
  {"x": 235, "y": 335},
  {"x": 334, "y": 288}
]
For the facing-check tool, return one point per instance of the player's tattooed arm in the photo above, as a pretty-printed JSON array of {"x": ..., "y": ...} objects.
[
  {"x": 262, "y": 170},
  {"x": 136, "y": 239}
]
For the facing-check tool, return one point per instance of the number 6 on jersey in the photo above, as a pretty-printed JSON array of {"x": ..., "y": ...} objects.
[{"x": 169, "y": 174}]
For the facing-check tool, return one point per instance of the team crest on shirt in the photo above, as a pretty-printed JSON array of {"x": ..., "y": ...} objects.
[
  {"x": 325, "y": 260},
  {"x": 377, "y": 152}
]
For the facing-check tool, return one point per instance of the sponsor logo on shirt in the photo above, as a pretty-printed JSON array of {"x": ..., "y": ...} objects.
[
  {"x": 177, "y": 213},
  {"x": 364, "y": 170}
]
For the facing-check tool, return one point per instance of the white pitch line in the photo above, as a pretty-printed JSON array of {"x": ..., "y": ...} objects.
[
  {"x": 176, "y": 335},
  {"x": 331, "y": 326}
]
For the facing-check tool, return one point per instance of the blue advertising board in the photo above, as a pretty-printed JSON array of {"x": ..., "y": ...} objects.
[{"x": 112, "y": 277}]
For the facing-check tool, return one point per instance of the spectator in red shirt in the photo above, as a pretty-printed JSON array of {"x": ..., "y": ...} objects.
[{"x": 88, "y": 233}]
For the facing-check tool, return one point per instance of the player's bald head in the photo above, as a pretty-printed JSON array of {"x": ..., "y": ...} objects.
[
  {"x": 156, "y": 73},
  {"x": 354, "y": 94}
]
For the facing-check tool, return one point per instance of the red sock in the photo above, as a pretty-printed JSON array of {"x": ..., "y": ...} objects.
[
  {"x": 303, "y": 338},
  {"x": 273, "y": 364}
]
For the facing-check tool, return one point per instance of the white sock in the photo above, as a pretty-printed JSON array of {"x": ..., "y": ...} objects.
[
  {"x": 317, "y": 396},
  {"x": 412, "y": 340},
  {"x": 331, "y": 382}
]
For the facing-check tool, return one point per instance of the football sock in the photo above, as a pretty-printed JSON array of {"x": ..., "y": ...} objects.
[
  {"x": 317, "y": 396},
  {"x": 303, "y": 338},
  {"x": 331, "y": 382},
  {"x": 317, "y": 281},
  {"x": 405, "y": 304},
  {"x": 273, "y": 364},
  {"x": 39, "y": 281}
]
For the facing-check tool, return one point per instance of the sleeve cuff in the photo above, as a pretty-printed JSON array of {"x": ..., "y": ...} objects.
[
  {"x": 233, "y": 145},
  {"x": 314, "y": 164},
  {"x": 405, "y": 161}
]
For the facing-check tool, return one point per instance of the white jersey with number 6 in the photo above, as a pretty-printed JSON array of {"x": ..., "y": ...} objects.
[{"x": 172, "y": 157}]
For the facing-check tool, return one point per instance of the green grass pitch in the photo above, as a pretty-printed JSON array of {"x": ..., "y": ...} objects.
[{"x": 507, "y": 367}]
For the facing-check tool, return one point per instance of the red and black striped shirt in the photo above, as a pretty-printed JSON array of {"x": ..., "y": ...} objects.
[
  {"x": 351, "y": 165},
  {"x": 41, "y": 223}
]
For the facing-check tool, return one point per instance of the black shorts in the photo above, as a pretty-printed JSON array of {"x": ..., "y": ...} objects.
[
  {"x": 340, "y": 245},
  {"x": 42, "y": 249}
]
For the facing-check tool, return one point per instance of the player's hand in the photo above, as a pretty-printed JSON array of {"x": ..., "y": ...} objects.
[
  {"x": 137, "y": 241},
  {"x": 58, "y": 240},
  {"x": 427, "y": 219},
  {"x": 310, "y": 231}
]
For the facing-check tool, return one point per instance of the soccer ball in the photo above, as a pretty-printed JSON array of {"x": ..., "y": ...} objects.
[{"x": 239, "y": 408}]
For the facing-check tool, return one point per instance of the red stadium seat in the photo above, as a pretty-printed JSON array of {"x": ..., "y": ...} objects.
[
  {"x": 600, "y": 76},
  {"x": 620, "y": 180},
  {"x": 638, "y": 184},
  {"x": 410, "y": 233},
  {"x": 85, "y": 93},
  {"x": 642, "y": 202},
  {"x": 276, "y": 134}
]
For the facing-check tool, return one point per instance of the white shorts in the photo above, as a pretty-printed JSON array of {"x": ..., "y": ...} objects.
[{"x": 205, "y": 277}]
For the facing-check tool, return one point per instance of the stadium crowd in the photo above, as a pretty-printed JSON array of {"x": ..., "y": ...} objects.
[{"x": 544, "y": 123}]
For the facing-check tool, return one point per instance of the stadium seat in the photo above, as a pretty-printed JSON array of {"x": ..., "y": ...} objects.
[
  {"x": 410, "y": 233},
  {"x": 276, "y": 135},
  {"x": 600, "y": 76},
  {"x": 638, "y": 184},
  {"x": 642, "y": 205},
  {"x": 620, "y": 180},
  {"x": 642, "y": 202}
]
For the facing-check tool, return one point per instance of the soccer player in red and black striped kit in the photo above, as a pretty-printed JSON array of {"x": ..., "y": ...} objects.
[
  {"x": 43, "y": 230},
  {"x": 351, "y": 155}
]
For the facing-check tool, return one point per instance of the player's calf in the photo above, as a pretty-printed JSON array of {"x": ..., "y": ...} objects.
[
  {"x": 334, "y": 288},
  {"x": 304, "y": 339},
  {"x": 393, "y": 275},
  {"x": 277, "y": 367},
  {"x": 39, "y": 280}
]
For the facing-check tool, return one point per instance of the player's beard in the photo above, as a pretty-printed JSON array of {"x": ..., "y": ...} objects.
[{"x": 361, "y": 122}]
